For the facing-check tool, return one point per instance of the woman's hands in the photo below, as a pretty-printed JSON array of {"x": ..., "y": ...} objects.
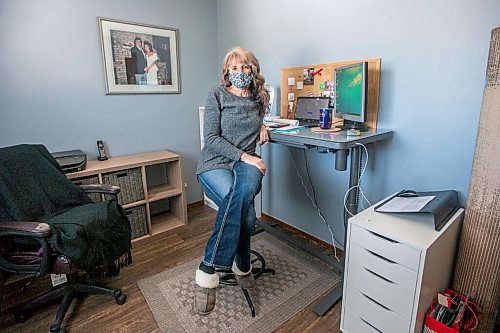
[
  {"x": 255, "y": 161},
  {"x": 263, "y": 135}
]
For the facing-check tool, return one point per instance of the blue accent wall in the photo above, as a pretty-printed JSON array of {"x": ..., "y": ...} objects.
[
  {"x": 434, "y": 56},
  {"x": 433, "y": 53},
  {"x": 52, "y": 79}
]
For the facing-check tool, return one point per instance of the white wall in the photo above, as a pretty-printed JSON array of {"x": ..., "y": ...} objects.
[
  {"x": 52, "y": 83},
  {"x": 434, "y": 57}
]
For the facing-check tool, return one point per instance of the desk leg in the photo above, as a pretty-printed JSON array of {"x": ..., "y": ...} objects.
[
  {"x": 353, "y": 197},
  {"x": 335, "y": 294}
]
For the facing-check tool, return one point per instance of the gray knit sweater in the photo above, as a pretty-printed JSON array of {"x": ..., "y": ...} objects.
[{"x": 231, "y": 127}]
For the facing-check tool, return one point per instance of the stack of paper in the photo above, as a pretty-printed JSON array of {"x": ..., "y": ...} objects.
[{"x": 280, "y": 123}]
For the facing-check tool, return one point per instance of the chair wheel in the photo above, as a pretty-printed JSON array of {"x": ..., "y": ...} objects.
[
  {"x": 121, "y": 299},
  {"x": 22, "y": 317}
]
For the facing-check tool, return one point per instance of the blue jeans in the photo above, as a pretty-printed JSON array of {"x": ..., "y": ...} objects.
[
  {"x": 141, "y": 78},
  {"x": 233, "y": 191}
]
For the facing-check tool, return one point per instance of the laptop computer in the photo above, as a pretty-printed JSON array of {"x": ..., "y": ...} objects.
[{"x": 307, "y": 111}]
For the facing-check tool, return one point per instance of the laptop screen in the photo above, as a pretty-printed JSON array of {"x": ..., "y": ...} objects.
[{"x": 308, "y": 108}]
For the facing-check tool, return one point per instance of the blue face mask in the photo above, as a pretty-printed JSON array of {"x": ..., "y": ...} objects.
[{"x": 241, "y": 80}]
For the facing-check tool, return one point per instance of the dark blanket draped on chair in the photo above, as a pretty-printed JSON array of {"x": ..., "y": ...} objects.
[{"x": 34, "y": 188}]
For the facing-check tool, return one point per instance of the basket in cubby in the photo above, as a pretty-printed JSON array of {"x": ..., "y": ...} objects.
[
  {"x": 91, "y": 180},
  {"x": 130, "y": 182},
  {"x": 138, "y": 220}
]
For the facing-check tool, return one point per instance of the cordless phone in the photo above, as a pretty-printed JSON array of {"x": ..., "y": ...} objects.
[{"x": 102, "y": 152}]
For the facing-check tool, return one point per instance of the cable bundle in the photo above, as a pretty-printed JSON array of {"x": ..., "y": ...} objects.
[{"x": 452, "y": 313}]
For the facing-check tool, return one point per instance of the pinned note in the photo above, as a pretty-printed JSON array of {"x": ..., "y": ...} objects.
[
  {"x": 300, "y": 85},
  {"x": 291, "y": 81}
]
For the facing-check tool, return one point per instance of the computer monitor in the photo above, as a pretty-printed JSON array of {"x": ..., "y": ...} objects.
[
  {"x": 351, "y": 90},
  {"x": 307, "y": 111}
]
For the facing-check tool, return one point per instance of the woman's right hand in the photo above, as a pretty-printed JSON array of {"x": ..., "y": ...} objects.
[{"x": 255, "y": 161}]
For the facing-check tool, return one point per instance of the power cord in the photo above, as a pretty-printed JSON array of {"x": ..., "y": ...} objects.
[
  {"x": 358, "y": 185},
  {"x": 313, "y": 201}
]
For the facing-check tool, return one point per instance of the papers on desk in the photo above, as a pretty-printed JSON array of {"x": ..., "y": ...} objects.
[
  {"x": 279, "y": 120},
  {"x": 405, "y": 204},
  {"x": 276, "y": 121},
  {"x": 290, "y": 128},
  {"x": 440, "y": 205}
]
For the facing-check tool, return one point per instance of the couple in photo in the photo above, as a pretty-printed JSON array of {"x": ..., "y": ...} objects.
[{"x": 146, "y": 62}]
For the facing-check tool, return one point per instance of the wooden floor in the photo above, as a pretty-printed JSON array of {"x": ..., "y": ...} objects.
[{"x": 151, "y": 256}]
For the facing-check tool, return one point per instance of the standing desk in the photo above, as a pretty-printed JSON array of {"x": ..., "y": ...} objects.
[{"x": 341, "y": 145}]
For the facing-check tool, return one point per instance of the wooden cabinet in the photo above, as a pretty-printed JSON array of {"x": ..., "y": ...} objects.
[
  {"x": 152, "y": 194},
  {"x": 395, "y": 266}
]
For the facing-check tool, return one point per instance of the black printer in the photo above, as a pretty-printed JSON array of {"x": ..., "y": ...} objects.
[{"x": 71, "y": 160}]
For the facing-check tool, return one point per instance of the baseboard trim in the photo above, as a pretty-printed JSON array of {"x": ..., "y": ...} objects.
[
  {"x": 300, "y": 234},
  {"x": 195, "y": 204}
]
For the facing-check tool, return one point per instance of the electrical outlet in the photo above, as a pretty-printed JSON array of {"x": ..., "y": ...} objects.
[{"x": 185, "y": 185}]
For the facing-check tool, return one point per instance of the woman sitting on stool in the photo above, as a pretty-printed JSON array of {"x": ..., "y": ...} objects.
[{"x": 230, "y": 172}]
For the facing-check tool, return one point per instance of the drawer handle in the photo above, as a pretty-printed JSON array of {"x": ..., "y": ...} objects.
[
  {"x": 383, "y": 237},
  {"x": 378, "y": 275},
  {"x": 370, "y": 325},
  {"x": 120, "y": 175},
  {"x": 374, "y": 301},
  {"x": 381, "y": 257}
]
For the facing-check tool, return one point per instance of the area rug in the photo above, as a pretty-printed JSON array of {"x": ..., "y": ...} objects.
[{"x": 299, "y": 280}]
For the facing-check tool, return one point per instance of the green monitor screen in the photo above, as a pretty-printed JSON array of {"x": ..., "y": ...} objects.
[{"x": 350, "y": 92}]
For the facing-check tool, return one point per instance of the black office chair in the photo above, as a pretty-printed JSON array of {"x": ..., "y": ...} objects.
[{"x": 48, "y": 225}]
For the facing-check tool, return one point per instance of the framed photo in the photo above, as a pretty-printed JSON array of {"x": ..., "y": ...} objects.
[{"x": 139, "y": 58}]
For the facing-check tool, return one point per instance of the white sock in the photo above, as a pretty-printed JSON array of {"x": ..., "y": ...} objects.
[
  {"x": 237, "y": 271},
  {"x": 206, "y": 280}
]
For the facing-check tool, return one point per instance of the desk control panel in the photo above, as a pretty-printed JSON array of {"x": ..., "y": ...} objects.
[{"x": 395, "y": 265}]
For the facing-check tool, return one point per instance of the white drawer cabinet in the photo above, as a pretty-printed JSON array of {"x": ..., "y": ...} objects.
[{"x": 395, "y": 265}]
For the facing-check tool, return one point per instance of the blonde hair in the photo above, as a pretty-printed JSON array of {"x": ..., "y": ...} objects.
[{"x": 247, "y": 57}]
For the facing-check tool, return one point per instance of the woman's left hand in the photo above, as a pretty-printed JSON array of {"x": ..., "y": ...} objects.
[{"x": 263, "y": 135}]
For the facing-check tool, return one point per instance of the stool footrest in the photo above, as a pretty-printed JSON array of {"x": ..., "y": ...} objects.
[{"x": 257, "y": 271}]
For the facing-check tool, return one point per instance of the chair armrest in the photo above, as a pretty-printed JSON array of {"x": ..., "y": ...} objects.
[
  {"x": 29, "y": 229},
  {"x": 36, "y": 231},
  {"x": 101, "y": 188}
]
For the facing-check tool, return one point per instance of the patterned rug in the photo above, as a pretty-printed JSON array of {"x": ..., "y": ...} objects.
[{"x": 299, "y": 280}]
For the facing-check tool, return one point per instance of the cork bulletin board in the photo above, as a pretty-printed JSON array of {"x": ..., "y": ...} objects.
[{"x": 318, "y": 80}]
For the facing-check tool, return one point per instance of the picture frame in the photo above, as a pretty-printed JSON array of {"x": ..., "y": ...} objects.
[{"x": 128, "y": 46}]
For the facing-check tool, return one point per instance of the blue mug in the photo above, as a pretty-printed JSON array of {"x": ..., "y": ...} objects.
[{"x": 325, "y": 118}]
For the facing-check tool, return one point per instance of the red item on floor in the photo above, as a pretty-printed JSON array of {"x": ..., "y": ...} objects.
[{"x": 451, "y": 312}]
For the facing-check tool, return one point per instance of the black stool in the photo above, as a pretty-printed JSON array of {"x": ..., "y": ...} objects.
[{"x": 257, "y": 271}]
